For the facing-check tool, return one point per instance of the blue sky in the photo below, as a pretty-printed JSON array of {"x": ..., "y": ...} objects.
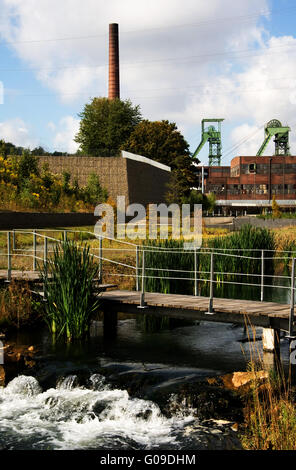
[{"x": 210, "y": 59}]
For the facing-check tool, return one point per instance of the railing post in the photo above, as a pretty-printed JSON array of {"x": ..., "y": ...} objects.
[
  {"x": 100, "y": 259},
  {"x": 45, "y": 266},
  {"x": 292, "y": 303},
  {"x": 211, "y": 310},
  {"x": 137, "y": 269},
  {"x": 195, "y": 272},
  {"x": 142, "y": 298},
  {"x": 34, "y": 251},
  {"x": 262, "y": 276},
  {"x": 8, "y": 256},
  {"x": 13, "y": 239},
  {"x": 65, "y": 235}
]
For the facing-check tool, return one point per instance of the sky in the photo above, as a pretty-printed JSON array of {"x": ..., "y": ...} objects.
[{"x": 179, "y": 60}]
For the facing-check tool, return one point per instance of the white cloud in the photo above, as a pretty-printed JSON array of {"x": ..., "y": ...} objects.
[
  {"x": 148, "y": 37},
  {"x": 17, "y": 132},
  {"x": 63, "y": 139},
  {"x": 180, "y": 73}
]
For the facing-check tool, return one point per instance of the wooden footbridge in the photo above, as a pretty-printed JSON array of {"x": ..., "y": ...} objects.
[{"x": 272, "y": 317}]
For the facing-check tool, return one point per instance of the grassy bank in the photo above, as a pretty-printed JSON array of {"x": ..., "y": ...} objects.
[{"x": 18, "y": 309}]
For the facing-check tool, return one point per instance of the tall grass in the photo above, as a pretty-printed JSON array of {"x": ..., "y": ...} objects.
[
  {"x": 69, "y": 290},
  {"x": 244, "y": 244},
  {"x": 270, "y": 411},
  {"x": 162, "y": 264},
  {"x": 17, "y": 307}
]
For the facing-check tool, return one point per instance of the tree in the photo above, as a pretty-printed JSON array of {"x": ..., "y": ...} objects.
[
  {"x": 158, "y": 140},
  {"x": 105, "y": 125},
  {"x": 182, "y": 179},
  {"x": 94, "y": 191}
]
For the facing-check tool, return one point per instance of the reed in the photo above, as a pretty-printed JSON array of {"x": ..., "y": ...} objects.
[
  {"x": 244, "y": 244},
  {"x": 163, "y": 259},
  {"x": 69, "y": 289},
  {"x": 17, "y": 307},
  {"x": 270, "y": 412}
]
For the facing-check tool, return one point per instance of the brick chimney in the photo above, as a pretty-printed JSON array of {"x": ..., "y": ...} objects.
[{"x": 113, "y": 91}]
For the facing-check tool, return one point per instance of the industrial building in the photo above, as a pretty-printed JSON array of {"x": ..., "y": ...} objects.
[{"x": 250, "y": 181}]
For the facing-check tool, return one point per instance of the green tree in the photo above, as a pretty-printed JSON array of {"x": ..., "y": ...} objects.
[
  {"x": 105, "y": 125},
  {"x": 94, "y": 191},
  {"x": 28, "y": 165},
  {"x": 163, "y": 142},
  {"x": 158, "y": 140},
  {"x": 182, "y": 179}
]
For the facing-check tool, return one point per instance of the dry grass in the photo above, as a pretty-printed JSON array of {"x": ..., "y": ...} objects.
[
  {"x": 270, "y": 411},
  {"x": 17, "y": 308}
]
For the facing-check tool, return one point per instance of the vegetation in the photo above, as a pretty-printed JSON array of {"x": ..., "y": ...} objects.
[
  {"x": 276, "y": 212},
  {"x": 165, "y": 264},
  {"x": 23, "y": 186},
  {"x": 8, "y": 149},
  {"x": 182, "y": 179},
  {"x": 162, "y": 264},
  {"x": 162, "y": 141},
  {"x": 68, "y": 281},
  {"x": 195, "y": 197},
  {"x": 17, "y": 307},
  {"x": 270, "y": 411},
  {"x": 158, "y": 140},
  {"x": 105, "y": 125},
  {"x": 243, "y": 244}
]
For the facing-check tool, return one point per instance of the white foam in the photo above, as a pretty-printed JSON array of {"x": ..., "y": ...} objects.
[{"x": 71, "y": 417}]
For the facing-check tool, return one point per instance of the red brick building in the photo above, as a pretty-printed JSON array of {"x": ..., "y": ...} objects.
[{"x": 253, "y": 181}]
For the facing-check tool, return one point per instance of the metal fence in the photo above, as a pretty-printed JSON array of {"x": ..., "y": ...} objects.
[{"x": 41, "y": 246}]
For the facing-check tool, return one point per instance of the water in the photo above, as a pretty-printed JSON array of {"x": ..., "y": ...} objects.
[
  {"x": 105, "y": 393},
  {"x": 73, "y": 417}
]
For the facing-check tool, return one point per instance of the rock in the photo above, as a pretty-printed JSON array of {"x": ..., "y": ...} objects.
[{"x": 238, "y": 380}]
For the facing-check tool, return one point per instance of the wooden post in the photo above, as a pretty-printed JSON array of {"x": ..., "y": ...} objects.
[{"x": 271, "y": 340}]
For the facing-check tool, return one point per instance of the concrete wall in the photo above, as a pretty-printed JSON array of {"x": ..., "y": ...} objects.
[
  {"x": 137, "y": 178},
  {"x": 268, "y": 223},
  {"x": 28, "y": 220}
]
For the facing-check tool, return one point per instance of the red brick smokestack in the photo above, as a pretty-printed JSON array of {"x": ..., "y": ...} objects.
[{"x": 113, "y": 91}]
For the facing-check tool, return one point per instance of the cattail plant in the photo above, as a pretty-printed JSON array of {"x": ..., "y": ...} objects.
[{"x": 69, "y": 289}]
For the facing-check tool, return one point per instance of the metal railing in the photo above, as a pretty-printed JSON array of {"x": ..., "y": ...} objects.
[{"x": 142, "y": 272}]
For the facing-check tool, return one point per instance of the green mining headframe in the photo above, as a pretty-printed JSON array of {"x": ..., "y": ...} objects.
[
  {"x": 211, "y": 134},
  {"x": 281, "y": 138}
]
